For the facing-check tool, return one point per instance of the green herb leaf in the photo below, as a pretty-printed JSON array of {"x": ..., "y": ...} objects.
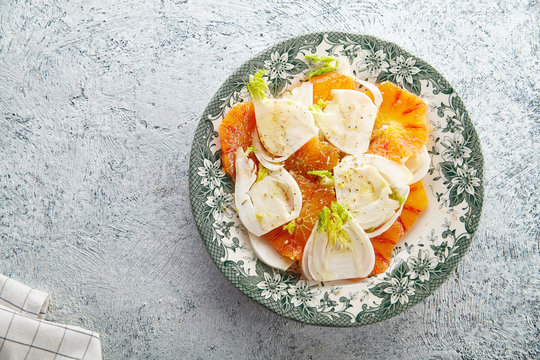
[
  {"x": 323, "y": 103},
  {"x": 325, "y": 177},
  {"x": 250, "y": 149},
  {"x": 341, "y": 211},
  {"x": 332, "y": 221},
  {"x": 262, "y": 173},
  {"x": 257, "y": 86},
  {"x": 324, "y": 64},
  {"x": 322, "y": 59},
  {"x": 322, "y": 173},
  {"x": 290, "y": 227},
  {"x": 397, "y": 197},
  {"x": 324, "y": 218},
  {"x": 314, "y": 108}
]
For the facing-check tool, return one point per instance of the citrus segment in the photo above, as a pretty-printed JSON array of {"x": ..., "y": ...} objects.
[
  {"x": 400, "y": 128},
  {"x": 415, "y": 204},
  {"x": 227, "y": 159},
  {"x": 314, "y": 198},
  {"x": 383, "y": 248},
  {"x": 323, "y": 84},
  {"x": 235, "y": 131},
  {"x": 381, "y": 264},
  {"x": 392, "y": 235},
  {"x": 314, "y": 155},
  {"x": 417, "y": 198},
  {"x": 384, "y": 244},
  {"x": 408, "y": 217}
]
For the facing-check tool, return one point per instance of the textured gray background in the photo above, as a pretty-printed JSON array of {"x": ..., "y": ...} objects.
[{"x": 99, "y": 101}]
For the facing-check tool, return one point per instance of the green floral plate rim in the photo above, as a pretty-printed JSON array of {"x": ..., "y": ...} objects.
[{"x": 423, "y": 259}]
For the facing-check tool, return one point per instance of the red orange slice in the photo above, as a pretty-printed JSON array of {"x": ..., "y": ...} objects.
[
  {"x": 325, "y": 83},
  {"x": 400, "y": 128},
  {"x": 235, "y": 131}
]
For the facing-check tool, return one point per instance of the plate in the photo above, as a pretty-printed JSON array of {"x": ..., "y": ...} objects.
[{"x": 423, "y": 259}]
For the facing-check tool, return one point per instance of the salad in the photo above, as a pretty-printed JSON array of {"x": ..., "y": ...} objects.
[{"x": 329, "y": 174}]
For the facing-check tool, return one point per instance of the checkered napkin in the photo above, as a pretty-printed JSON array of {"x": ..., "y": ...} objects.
[{"x": 25, "y": 336}]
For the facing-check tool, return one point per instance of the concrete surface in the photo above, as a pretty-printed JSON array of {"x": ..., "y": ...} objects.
[{"x": 98, "y": 104}]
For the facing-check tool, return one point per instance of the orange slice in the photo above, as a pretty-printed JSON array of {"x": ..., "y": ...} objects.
[
  {"x": 400, "y": 129},
  {"x": 384, "y": 244},
  {"x": 314, "y": 155},
  {"x": 415, "y": 204},
  {"x": 314, "y": 198},
  {"x": 381, "y": 264},
  {"x": 323, "y": 84},
  {"x": 235, "y": 131}
]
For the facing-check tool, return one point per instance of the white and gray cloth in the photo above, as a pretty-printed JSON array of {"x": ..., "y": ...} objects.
[{"x": 24, "y": 335}]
